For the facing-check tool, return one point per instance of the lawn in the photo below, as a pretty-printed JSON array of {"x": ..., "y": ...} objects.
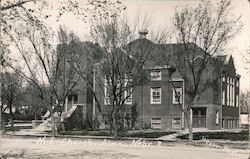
[
  {"x": 155, "y": 134},
  {"x": 86, "y": 133},
  {"x": 141, "y": 134},
  {"x": 223, "y": 135}
]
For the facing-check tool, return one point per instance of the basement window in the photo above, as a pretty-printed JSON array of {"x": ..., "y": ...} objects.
[
  {"x": 176, "y": 123},
  {"x": 156, "y": 123}
]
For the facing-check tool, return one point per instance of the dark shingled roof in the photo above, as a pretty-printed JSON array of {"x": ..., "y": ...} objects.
[{"x": 160, "y": 54}]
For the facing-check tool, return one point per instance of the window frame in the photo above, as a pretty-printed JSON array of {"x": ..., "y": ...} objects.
[
  {"x": 153, "y": 78},
  {"x": 174, "y": 95},
  {"x": 128, "y": 92},
  {"x": 223, "y": 97},
  {"x": 175, "y": 120},
  {"x": 152, "y": 95},
  {"x": 237, "y": 83},
  {"x": 217, "y": 119},
  {"x": 72, "y": 98},
  {"x": 106, "y": 97},
  {"x": 223, "y": 79},
  {"x": 237, "y": 100},
  {"x": 157, "y": 122}
]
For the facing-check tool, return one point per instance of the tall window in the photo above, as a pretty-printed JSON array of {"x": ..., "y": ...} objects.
[
  {"x": 155, "y": 95},
  {"x": 106, "y": 93},
  {"x": 128, "y": 93},
  {"x": 217, "y": 117},
  {"x": 177, "y": 95},
  {"x": 228, "y": 90},
  {"x": 223, "y": 97},
  {"x": 237, "y": 100},
  {"x": 233, "y": 103},
  {"x": 155, "y": 75},
  {"x": 232, "y": 92}
]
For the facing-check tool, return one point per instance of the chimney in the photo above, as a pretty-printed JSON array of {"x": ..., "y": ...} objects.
[{"x": 143, "y": 33}]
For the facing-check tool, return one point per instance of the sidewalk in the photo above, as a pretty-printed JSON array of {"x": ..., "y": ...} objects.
[
  {"x": 32, "y": 133},
  {"x": 172, "y": 138}
]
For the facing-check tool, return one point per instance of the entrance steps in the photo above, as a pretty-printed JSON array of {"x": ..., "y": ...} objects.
[{"x": 47, "y": 124}]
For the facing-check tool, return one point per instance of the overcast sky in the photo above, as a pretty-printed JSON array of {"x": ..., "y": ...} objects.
[{"x": 161, "y": 11}]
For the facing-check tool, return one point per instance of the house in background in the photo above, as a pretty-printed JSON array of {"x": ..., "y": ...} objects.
[{"x": 244, "y": 110}]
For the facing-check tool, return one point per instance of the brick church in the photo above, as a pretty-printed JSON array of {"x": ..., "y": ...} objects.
[{"x": 157, "y": 106}]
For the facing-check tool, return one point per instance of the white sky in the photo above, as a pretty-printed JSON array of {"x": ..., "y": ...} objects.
[{"x": 161, "y": 11}]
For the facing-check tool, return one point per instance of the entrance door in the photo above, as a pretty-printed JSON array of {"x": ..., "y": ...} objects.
[{"x": 199, "y": 117}]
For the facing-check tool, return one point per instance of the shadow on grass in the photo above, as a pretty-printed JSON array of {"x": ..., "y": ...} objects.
[
  {"x": 154, "y": 134},
  {"x": 10, "y": 154},
  {"x": 223, "y": 135}
]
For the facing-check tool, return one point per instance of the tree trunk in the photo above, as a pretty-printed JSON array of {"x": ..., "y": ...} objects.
[
  {"x": 12, "y": 123},
  {"x": 110, "y": 128},
  {"x": 35, "y": 115},
  {"x": 2, "y": 123},
  {"x": 190, "y": 129},
  {"x": 11, "y": 119},
  {"x": 116, "y": 127},
  {"x": 58, "y": 124},
  {"x": 53, "y": 126},
  {"x": 116, "y": 122},
  {"x": 190, "y": 126},
  {"x": 52, "y": 113}
]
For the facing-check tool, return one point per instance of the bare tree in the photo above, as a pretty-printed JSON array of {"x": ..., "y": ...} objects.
[
  {"x": 121, "y": 69},
  {"x": 11, "y": 93},
  {"x": 244, "y": 102},
  {"x": 32, "y": 100},
  {"x": 245, "y": 108},
  {"x": 44, "y": 67},
  {"x": 204, "y": 32},
  {"x": 31, "y": 13}
]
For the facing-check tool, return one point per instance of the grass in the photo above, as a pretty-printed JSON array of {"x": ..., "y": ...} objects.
[
  {"x": 141, "y": 134},
  {"x": 86, "y": 133},
  {"x": 155, "y": 134},
  {"x": 223, "y": 135}
]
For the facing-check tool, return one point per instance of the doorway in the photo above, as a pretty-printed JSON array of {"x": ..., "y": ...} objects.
[{"x": 199, "y": 117}]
